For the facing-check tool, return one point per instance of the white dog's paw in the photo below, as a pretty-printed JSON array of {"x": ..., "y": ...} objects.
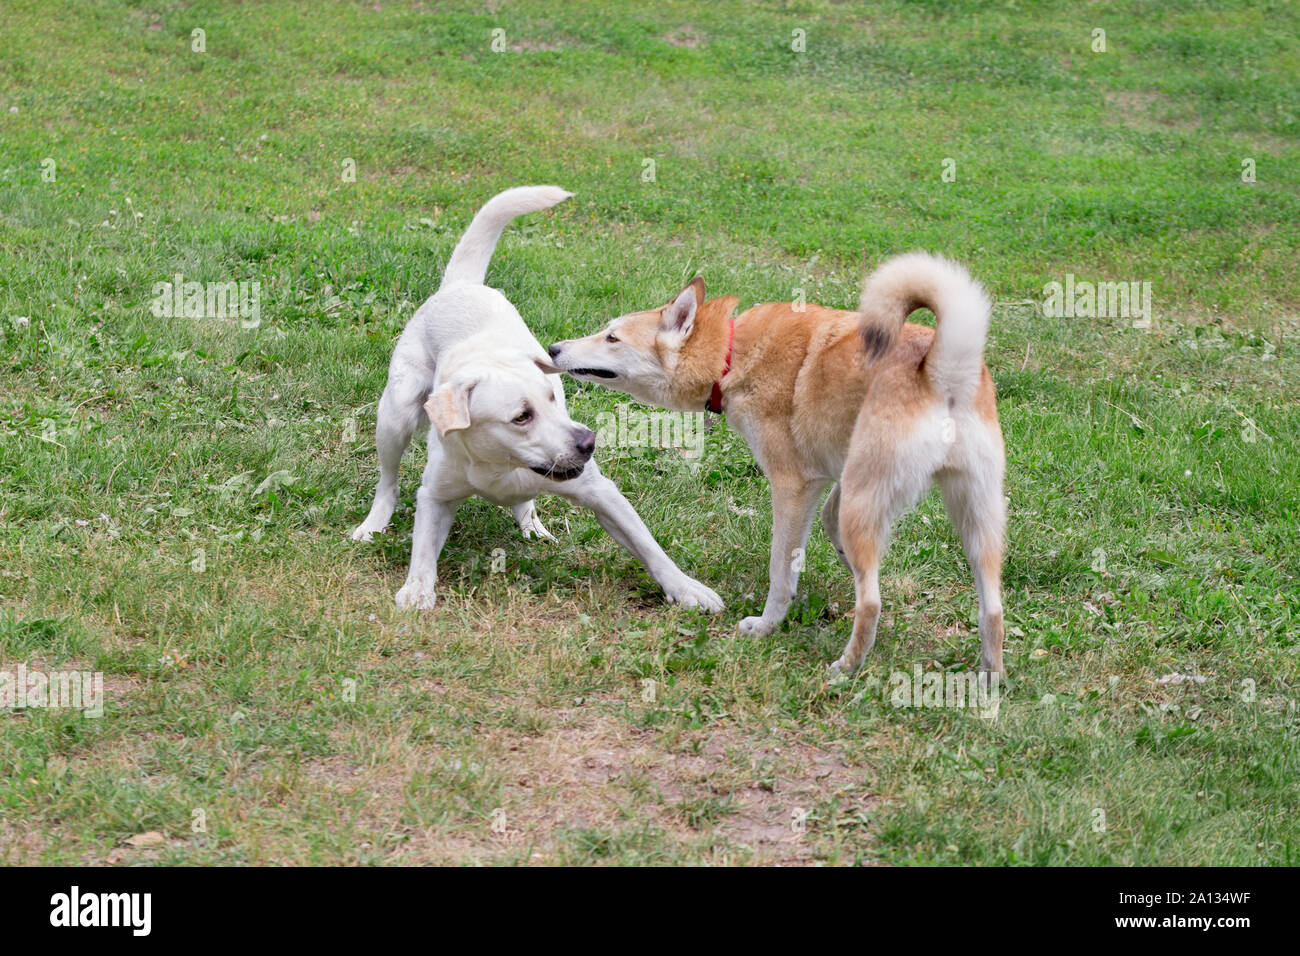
[
  {"x": 755, "y": 627},
  {"x": 533, "y": 528},
  {"x": 363, "y": 532},
  {"x": 529, "y": 523},
  {"x": 691, "y": 593},
  {"x": 422, "y": 595}
]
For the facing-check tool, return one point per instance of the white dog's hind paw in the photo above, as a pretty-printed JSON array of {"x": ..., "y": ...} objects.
[
  {"x": 755, "y": 627},
  {"x": 363, "y": 532},
  {"x": 535, "y": 529},
  {"x": 422, "y": 595},
  {"x": 691, "y": 593},
  {"x": 530, "y": 524}
]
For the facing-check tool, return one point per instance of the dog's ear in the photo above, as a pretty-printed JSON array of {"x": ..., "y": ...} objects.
[
  {"x": 544, "y": 363},
  {"x": 679, "y": 314},
  {"x": 448, "y": 406}
]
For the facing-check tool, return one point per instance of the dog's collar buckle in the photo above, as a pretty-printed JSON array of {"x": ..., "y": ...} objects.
[{"x": 714, "y": 404}]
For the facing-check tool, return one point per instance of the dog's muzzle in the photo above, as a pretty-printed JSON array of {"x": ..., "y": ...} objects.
[
  {"x": 554, "y": 352},
  {"x": 556, "y": 473},
  {"x": 571, "y": 466}
]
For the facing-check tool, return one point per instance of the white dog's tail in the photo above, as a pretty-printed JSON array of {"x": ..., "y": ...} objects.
[
  {"x": 469, "y": 260},
  {"x": 905, "y": 283}
]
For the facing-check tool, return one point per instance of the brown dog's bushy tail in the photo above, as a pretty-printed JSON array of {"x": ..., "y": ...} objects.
[{"x": 899, "y": 287}]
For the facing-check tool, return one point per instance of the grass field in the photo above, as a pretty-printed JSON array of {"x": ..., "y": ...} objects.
[{"x": 175, "y": 493}]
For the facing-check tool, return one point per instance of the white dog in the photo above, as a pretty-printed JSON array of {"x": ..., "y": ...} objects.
[{"x": 467, "y": 359}]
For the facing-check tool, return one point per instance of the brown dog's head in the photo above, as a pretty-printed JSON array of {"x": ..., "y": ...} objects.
[{"x": 648, "y": 354}]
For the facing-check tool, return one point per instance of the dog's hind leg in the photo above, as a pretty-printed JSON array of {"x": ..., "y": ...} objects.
[
  {"x": 529, "y": 523},
  {"x": 864, "y": 527},
  {"x": 831, "y": 522},
  {"x": 400, "y": 411},
  {"x": 794, "y": 500},
  {"x": 878, "y": 485},
  {"x": 978, "y": 511}
]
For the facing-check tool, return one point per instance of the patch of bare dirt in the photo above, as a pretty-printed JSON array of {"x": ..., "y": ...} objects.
[
  {"x": 1145, "y": 110},
  {"x": 685, "y": 37},
  {"x": 20, "y": 846},
  {"x": 744, "y": 799},
  {"x": 592, "y": 770}
]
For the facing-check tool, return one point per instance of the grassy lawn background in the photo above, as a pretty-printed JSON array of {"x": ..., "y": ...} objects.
[{"x": 1169, "y": 449}]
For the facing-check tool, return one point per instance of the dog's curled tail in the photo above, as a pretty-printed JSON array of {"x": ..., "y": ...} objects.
[
  {"x": 469, "y": 260},
  {"x": 900, "y": 286}
]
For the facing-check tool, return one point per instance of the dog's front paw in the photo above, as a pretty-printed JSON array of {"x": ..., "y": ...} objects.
[
  {"x": 691, "y": 593},
  {"x": 361, "y": 533},
  {"x": 419, "y": 594},
  {"x": 755, "y": 627}
]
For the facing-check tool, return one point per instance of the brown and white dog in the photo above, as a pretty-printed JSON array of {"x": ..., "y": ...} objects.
[{"x": 864, "y": 401}]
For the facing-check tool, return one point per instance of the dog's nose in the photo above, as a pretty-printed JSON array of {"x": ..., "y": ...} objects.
[
  {"x": 585, "y": 442},
  {"x": 554, "y": 350}
]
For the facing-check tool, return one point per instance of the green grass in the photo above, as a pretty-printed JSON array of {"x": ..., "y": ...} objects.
[{"x": 280, "y": 692}]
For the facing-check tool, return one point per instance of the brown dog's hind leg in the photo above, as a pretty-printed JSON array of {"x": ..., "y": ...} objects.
[
  {"x": 865, "y": 561},
  {"x": 978, "y": 511},
  {"x": 883, "y": 477},
  {"x": 831, "y": 522},
  {"x": 867, "y": 513}
]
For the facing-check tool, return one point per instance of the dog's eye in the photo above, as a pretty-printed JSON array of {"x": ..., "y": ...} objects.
[
  {"x": 611, "y": 337},
  {"x": 523, "y": 418}
]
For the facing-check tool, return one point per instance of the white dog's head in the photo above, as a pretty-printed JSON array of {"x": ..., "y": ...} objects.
[{"x": 507, "y": 410}]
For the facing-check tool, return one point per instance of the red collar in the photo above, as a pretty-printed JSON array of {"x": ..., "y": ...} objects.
[{"x": 714, "y": 403}]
